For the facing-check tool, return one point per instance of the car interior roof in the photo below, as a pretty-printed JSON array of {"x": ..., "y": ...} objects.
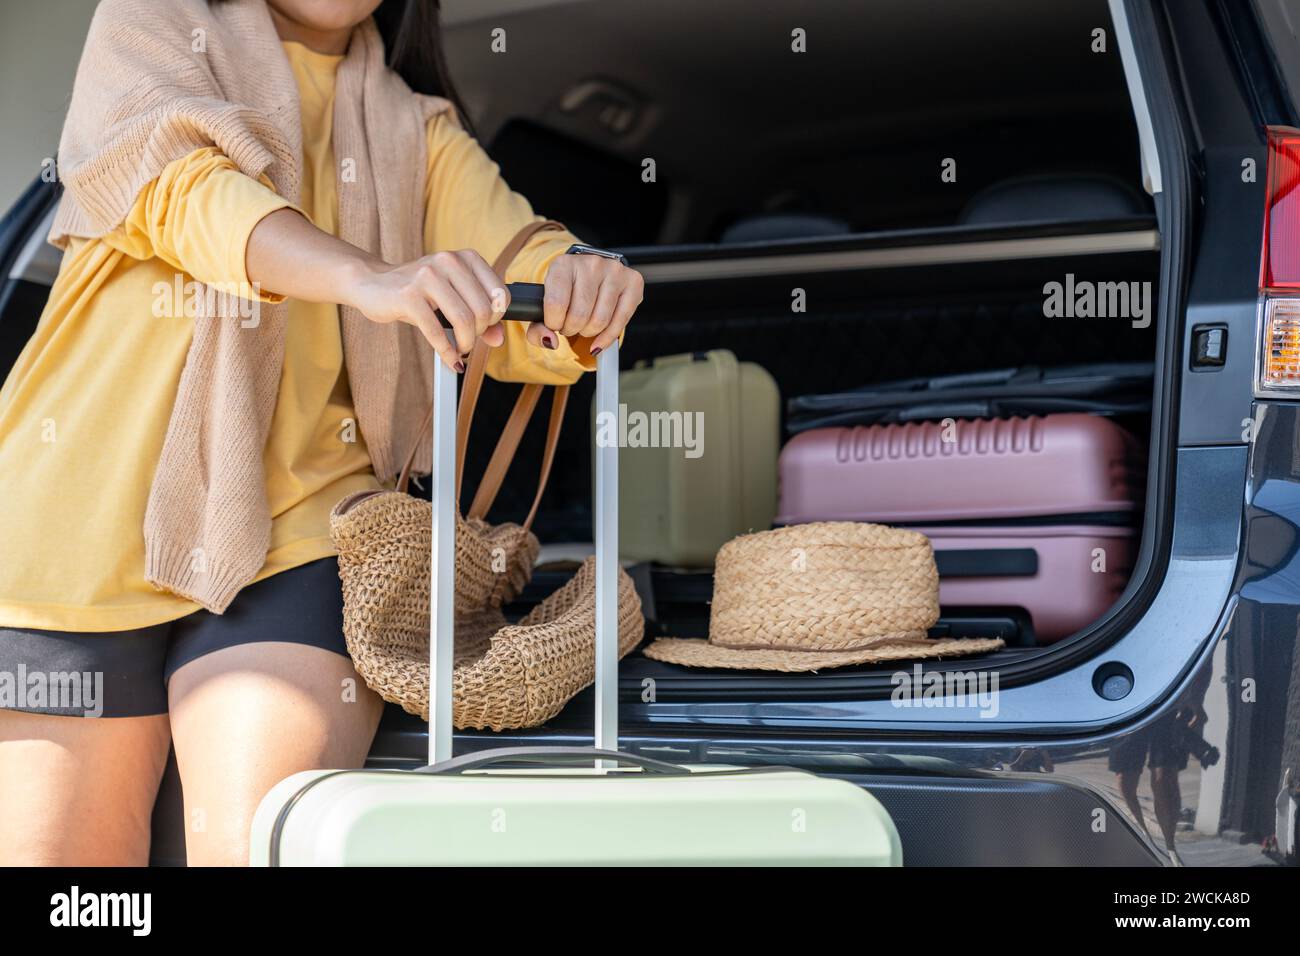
[{"x": 740, "y": 122}]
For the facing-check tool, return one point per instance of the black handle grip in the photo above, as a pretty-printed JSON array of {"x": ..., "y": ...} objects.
[
  {"x": 525, "y": 304},
  {"x": 551, "y": 756},
  {"x": 525, "y": 301}
]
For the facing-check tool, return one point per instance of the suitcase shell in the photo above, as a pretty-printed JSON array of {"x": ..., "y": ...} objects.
[
  {"x": 680, "y": 510},
  {"x": 1050, "y": 465},
  {"x": 460, "y": 811},
  {"x": 1059, "y": 488},
  {"x": 1079, "y": 572},
  {"x": 717, "y": 816}
]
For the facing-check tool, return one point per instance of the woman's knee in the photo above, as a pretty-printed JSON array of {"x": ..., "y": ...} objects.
[{"x": 246, "y": 717}]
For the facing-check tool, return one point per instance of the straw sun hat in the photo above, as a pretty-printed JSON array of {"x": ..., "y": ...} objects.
[{"x": 820, "y": 595}]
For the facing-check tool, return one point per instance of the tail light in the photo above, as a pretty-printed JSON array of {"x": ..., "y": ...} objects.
[{"x": 1279, "y": 271}]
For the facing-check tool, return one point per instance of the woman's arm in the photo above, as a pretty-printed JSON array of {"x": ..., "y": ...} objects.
[
  {"x": 289, "y": 256},
  {"x": 205, "y": 217},
  {"x": 468, "y": 204},
  {"x": 586, "y": 296}
]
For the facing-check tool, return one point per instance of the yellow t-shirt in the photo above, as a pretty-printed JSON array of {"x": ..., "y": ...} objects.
[{"x": 84, "y": 411}]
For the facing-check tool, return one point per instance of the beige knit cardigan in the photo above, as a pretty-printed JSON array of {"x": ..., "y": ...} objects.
[{"x": 159, "y": 79}]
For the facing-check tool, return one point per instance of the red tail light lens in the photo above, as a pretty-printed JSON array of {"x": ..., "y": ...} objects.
[
  {"x": 1277, "y": 369},
  {"x": 1280, "y": 260}
]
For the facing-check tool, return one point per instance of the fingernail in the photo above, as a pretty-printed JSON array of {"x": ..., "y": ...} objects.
[
  {"x": 549, "y": 342},
  {"x": 597, "y": 350},
  {"x": 460, "y": 366}
]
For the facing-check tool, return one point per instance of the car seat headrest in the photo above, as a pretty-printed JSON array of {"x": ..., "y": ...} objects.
[
  {"x": 767, "y": 226},
  {"x": 1054, "y": 197}
]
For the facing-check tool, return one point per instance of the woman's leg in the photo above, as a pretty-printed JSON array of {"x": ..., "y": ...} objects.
[
  {"x": 245, "y": 717},
  {"x": 81, "y": 758},
  {"x": 78, "y": 791}
]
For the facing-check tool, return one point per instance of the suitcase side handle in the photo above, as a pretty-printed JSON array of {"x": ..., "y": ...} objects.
[
  {"x": 987, "y": 562},
  {"x": 551, "y": 756}
]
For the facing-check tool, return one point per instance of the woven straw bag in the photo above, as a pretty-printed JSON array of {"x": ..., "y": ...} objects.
[{"x": 506, "y": 676}]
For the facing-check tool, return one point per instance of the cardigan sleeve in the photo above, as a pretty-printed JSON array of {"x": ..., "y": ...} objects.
[
  {"x": 468, "y": 205},
  {"x": 197, "y": 217}
]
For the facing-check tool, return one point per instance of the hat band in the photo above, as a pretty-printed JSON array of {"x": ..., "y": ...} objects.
[{"x": 884, "y": 640}]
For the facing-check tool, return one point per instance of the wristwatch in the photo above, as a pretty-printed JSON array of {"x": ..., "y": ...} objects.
[{"x": 578, "y": 249}]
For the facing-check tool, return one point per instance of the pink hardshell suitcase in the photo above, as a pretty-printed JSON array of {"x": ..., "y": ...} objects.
[{"x": 1031, "y": 513}]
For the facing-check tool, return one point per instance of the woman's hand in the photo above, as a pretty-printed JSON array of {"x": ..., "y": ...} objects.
[
  {"x": 460, "y": 285},
  {"x": 590, "y": 296},
  {"x": 288, "y": 255}
]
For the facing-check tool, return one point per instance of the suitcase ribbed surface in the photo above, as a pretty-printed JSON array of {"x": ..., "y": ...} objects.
[
  {"x": 1012, "y": 436},
  {"x": 960, "y": 470}
]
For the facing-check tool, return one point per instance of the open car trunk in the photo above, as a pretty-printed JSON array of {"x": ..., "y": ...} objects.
[
  {"x": 822, "y": 181},
  {"x": 911, "y": 303}
]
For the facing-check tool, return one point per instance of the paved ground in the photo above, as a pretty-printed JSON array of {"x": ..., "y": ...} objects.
[{"x": 1196, "y": 849}]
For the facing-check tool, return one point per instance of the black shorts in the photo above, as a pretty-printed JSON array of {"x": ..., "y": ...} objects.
[
  {"x": 1160, "y": 747},
  {"x": 125, "y": 673}
]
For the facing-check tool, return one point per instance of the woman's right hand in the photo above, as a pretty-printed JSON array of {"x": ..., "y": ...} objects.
[
  {"x": 460, "y": 285},
  {"x": 289, "y": 256}
]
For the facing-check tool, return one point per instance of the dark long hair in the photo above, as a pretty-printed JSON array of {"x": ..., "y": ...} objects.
[
  {"x": 413, "y": 43},
  {"x": 412, "y": 35}
]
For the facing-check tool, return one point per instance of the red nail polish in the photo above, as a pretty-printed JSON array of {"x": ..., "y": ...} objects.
[
  {"x": 460, "y": 366},
  {"x": 597, "y": 350},
  {"x": 549, "y": 342}
]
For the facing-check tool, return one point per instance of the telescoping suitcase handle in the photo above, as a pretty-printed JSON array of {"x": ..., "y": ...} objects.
[{"x": 525, "y": 306}]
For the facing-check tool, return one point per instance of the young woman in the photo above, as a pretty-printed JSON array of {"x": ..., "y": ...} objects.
[{"x": 265, "y": 203}]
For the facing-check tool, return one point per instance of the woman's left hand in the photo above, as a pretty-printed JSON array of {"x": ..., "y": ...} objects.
[{"x": 590, "y": 296}]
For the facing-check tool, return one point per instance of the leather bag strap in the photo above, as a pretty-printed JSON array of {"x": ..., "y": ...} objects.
[
  {"x": 508, "y": 444},
  {"x": 511, "y": 435}
]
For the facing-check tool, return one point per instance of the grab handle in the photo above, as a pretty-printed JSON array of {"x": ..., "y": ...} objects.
[{"x": 575, "y": 756}]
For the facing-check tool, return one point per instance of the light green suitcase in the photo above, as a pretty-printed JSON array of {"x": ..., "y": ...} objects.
[
  {"x": 682, "y": 502},
  {"x": 559, "y": 806},
  {"x": 655, "y": 814}
]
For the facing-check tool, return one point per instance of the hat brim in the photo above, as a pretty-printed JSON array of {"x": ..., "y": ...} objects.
[{"x": 700, "y": 653}]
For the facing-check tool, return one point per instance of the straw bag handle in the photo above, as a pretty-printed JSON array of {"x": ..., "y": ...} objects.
[
  {"x": 442, "y": 589},
  {"x": 525, "y": 305}
]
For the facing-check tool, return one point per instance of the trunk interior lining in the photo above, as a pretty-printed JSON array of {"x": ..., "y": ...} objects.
[{"x": 860, "y": 327}]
